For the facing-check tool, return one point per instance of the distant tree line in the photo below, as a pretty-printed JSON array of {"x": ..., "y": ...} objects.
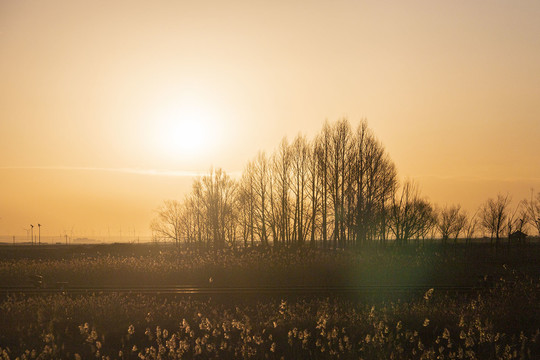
[{"x": 339, "y": 189}]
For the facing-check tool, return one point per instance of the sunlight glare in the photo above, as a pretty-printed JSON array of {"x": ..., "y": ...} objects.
[{"x": 186, "y": 131}]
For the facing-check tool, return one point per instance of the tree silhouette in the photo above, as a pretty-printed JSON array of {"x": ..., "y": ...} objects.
[
  {"x": 532, "y": 207},
  {"x": 471, "y": 227},
  {"x": 246, "y": 196},
  {"x": 300, "y": 160},
  {"x": 339, "y": 188},
  {"x": 219, "y": 199},
  {"x": 281, "y": 172},
  {"x": 261, "y": 197},
  {"x": 493, "y": 215},
  {"x": 450, "y": 222},
  {"x": 409, "y": 213},
  {"x": 167, "y": 226}
]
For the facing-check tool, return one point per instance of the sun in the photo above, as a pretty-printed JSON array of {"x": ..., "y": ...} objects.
[
  {"x": 186, "y": 131},
  {"x": 189, "y": 135}
]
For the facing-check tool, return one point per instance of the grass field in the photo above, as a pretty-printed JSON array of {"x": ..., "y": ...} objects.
[
  {"x": 148, "y": 264},
  {"x": 501, "y": 320}
]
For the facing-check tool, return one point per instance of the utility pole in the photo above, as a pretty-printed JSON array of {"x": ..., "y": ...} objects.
[
  {"x": 32, "y": 233},
  {"x": 39, "y": 232}
]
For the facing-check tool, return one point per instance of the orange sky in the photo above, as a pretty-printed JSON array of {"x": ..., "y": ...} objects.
[{"x": 95, "y": 94}]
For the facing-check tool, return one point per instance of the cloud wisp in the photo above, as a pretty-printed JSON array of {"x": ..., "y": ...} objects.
[{"x": 137, "y": 171}]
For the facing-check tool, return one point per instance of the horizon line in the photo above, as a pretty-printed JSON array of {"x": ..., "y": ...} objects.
[
  {"x": 136, "y": 171},
  {"x": 193, "y": 173},
  {"x": 473, "y": 178}
]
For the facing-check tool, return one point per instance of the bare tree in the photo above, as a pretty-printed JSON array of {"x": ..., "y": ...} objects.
[
  {"x": 533, "y": 210},
  {"x": 517, "y": 219},
  {"x": 188, "y": 220},
  {"x": 388, "y": 184},
  {"x": 314, "y": 190},
  {"x": 409, "y": 213},
  {"x": 281, "y": 166},
  {"x": 358, "y": 186},
  {"x": 167, "y": 226},
  {"x": 372, "y": 179},
  {"x": 246, "y": 199},
  {"x": 471, "y": 227},
  {"x": 451, "y": 221},
  {"x": 197, "y": 206},
  {"x": 340, "y": 143},
  {"x": 219, "y": 194},
  {"x": 323, "y": 153},
  {"x": 493, "y": 215},
  {"x": 428, "y": 228},
  {"x": 300, "y": 161},
  {"x": 261, "y": 196}
]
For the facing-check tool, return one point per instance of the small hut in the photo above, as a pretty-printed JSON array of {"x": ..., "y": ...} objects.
[{"x": 517, "y": 237}]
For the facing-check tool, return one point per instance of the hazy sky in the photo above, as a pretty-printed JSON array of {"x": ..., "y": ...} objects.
[{"x": 94, "y": 94}]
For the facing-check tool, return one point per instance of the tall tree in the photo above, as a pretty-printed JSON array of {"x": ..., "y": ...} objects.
[
  {"x": 281, "y": 166},
  {"x": 197, "y": 203},
  {"x": 533, "y": 210},
  {"x": 220, "y": 196},
  {"x": 372, "y": 179},
  {"x": 451, "y": 221},
  {"x": 323, "y": 155},
  {"x": 261, "y": 197},
  {"x": 188, "y": 218},
  {"x": 340, "y": 143},
  {"x": 471, "y": 227},
  {"x": 246, "y": 204},
  {"x": 517, "y": 219},
  {"x": 493, "y": 215},
  {"x": 409, "y": 213},
  {"x": 167, "y": 226},
  {"x": 314, "y": 190},
  {"x": 300, "y": 161}
]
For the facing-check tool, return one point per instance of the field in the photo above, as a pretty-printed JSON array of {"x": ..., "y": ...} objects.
[{"x": 498, "y": 318}]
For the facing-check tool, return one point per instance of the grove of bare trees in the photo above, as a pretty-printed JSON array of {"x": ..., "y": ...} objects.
[{"x": 339, "y": 189}]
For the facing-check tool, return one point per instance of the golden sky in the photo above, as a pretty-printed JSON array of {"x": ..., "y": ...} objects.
[{"x": 107, "y": 107}]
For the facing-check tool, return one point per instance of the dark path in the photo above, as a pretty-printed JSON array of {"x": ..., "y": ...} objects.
[{"x": 270, "y": 290}]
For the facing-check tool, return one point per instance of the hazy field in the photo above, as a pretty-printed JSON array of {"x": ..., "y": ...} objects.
[
  {"x": 500, "y": 319},
  {"x": 149, "y": 264}
]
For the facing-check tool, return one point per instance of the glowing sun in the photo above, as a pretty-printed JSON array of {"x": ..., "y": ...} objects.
[{"x": 186, "y": 131}]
